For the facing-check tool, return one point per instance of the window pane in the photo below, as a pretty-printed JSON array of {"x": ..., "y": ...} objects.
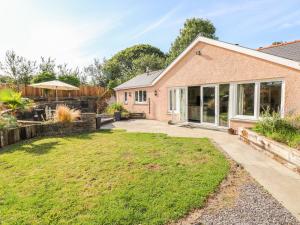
[
  {"x": 270, "y": 96},
  {"x": 125, "y": 96},
  {"x": 136, "y": 96},
  {"x": 245, "y": 99},
  {"x": 144, "y": 96},
  {"x": 223, "y": 104},
  {"x": 170, "y": 100},
  {"x": 194, "y": 104},
  {"x": 140, "y": 96},
  {"x": 174, "y": 99},
  {"x": 209, "y": 111}
]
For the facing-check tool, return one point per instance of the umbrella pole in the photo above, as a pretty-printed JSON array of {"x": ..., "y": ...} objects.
[{"x": 56, "y": 94}]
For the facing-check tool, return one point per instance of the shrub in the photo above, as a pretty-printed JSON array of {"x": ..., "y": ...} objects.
[
  {"x": 13, "y": 100},
  {"x": 115, "y": 107},
  {"x": 124, "y": 115},
  {"x": 277, "y": 128},
  {"x": 7, "y": 121},
  {"x": 70, "y": 79},
  {"x": 43, "y": 77},
  {"x": 64, "y": 114}
]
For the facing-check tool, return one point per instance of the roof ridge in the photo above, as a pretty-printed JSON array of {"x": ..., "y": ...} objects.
[{"x": 277, "y": 45}]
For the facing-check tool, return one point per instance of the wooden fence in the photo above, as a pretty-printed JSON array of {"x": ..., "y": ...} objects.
[{"x": 31, "y": 92}]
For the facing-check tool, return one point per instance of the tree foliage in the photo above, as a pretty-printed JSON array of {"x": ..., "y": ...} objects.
[
  {"x": 68, "y": 75},
  {"x": 123, "y": 65},
  {"x": 95, "y": 73},
  {"x": 43, "y": 77},
  {"x": 191, "y": 29},
  {"x": 19, "y": 69}
]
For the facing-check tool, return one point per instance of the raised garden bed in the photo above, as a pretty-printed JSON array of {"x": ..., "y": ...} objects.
[
  {"x": 31, "y": 129},
  {"x": 282, "y": 153}
]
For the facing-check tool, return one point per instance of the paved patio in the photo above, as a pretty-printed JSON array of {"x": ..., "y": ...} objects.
[{"x": 279, "y": 181}]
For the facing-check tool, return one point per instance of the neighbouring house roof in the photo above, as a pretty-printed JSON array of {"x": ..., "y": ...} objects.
[
  {"x": 142, "y": 80},
  {"x": 139, "y": 81},
  {"x": 288, "y": 50}
]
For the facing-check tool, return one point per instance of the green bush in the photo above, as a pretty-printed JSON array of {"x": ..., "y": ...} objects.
[
  {"x": 115, "y": 107},
  {"x": 70, "y": 79},
  {"x": 7, "y": 121},
  {"x": 125, "y": 115},
  {"x": 43, "y": 77},
  {"x": 278, "y": 129}
]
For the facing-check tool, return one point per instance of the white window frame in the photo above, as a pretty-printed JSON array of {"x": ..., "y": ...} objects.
[
  {"x": 177, "y": 103},
  {"x": 140, "y": 100},
  {"x": 257, "y": 83}
]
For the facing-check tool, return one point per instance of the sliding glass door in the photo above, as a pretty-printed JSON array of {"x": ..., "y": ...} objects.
[
  {"x": 209, "y": 104},
  {"x": 223, "y": 104},
  {"x": 194, "y": 100}
]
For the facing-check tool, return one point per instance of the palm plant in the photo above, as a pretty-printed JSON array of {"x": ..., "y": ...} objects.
[{"x": 13, "y": 101}]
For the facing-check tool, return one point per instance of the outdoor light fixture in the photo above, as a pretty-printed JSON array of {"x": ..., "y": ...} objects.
[
  {"x": 129, "y": 94},
  {"x": 198, "y": 52},
  {"x": 155, "y": 92}
]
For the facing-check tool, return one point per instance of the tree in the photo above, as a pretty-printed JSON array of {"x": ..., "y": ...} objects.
[
  {"x": 96, "y": 73},
  {"x": 191, "y": 29},
  {"x": 46, "y": 70},
  {"x": 121, "y": 66},
  {"x": 151, "y": 62},
  {"x": 27, "y": 71},
  {"x": 277, "y": 42},
  {"x": 43, "y": 77},
  {"x": 19, "y": 69},
  {"x": 68, "y": 76},
  {"x": 47, "y": 65}
]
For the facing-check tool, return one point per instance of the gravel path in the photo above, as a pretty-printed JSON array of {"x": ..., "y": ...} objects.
[
  {"x": 254, "y": 206},
  {"x": 240, "y": 200}
]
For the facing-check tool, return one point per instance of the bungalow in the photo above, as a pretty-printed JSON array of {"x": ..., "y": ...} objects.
[{"x": 214, "y": 83}]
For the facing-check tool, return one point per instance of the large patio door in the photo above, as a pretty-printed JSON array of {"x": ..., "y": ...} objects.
[{"x": 209, "y": 103}]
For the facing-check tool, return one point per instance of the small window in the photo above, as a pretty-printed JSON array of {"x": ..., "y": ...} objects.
[
  {"x": 125, "y": 97},
  {"x": 245, "y": 99},
  {"x": 140, "y": 96},
  {"x": 270, "y": 97}
]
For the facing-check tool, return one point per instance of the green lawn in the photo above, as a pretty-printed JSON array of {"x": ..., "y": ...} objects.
[{"x": 108, "y": 177}]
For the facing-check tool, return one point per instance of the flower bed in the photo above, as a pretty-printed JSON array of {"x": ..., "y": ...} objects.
[{"x": 283, "y": 153}]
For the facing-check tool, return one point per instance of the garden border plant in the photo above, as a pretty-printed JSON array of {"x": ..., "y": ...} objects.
[{"x": 284, "y": 130}]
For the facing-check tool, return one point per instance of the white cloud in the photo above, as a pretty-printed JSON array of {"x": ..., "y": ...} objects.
[{"x": 33, "y": 32}]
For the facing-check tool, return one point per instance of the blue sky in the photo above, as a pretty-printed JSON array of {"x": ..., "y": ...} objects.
[{"x": 76, "y": 31}]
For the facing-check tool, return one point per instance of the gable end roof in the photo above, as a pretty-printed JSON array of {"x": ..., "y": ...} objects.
[
  {"x": 232, "y": 47},
  {"x": 144, "y": 81}
]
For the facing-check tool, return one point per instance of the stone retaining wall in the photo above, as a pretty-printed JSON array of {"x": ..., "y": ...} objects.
[
  {"x": 282, "y": 153},
  {"x": 31, "y": 129}
]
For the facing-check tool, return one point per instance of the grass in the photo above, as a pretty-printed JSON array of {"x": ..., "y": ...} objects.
[{"x": 108, "y": 177}]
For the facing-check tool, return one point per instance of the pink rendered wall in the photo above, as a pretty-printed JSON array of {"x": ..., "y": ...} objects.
[{"x": 217, "y": 65}]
